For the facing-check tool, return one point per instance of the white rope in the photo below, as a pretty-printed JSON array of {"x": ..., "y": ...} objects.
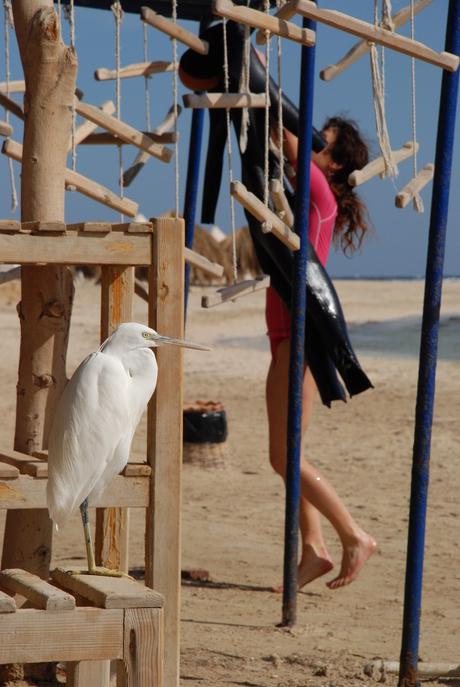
[
  {"x": 267, "y": 105},
  {"x": 280, "y": 107},
  {"x": 118, "y": 13},
  {"x": 176, "y": 143},
  {"x": 391, "y": 169},
  {"x": 418, "y": 202},
  {"x": 244, "y": 85},
  {"x": 229, "y": 151},
  {"x": 9, "y": 20},
  {"x": 147, "y": 104}
]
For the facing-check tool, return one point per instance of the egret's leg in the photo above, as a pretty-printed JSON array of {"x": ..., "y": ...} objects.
[{"x": 92, "y": 570}]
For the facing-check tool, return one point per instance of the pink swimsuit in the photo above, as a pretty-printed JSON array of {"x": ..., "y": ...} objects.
[{"x": 323, "y": 212}]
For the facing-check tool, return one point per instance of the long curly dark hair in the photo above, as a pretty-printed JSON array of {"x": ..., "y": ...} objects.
[{"x": 350, "y": 151}]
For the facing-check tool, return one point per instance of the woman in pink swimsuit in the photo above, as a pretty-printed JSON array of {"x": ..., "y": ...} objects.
[{"x": 336, "y": 214}]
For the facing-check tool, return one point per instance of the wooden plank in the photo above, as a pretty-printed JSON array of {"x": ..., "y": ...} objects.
[
  {"x": 124, "y": 131},
  {"x": 377, "y": 166},
  {"x": 144, "y": 661},
  {"x": 32, "y": 636},
  {"x": 82, "y": 184},
  {"x": 362, "y": 47},
  {"x": 12, "y": 105},
  {"x": 255, "y": 206},
  {"x": 104, "y": 138},
  {"x": 26, "y": 465},
  {"x": 10, "y": 226},
  {"x": 45, "y": 227},
  {"x": 86, "y": 128},
  {"x": 137, "y": 470},
  {"x": 174, "y": 30},
  {"x": 265, "y": 22},
  {"x": 7, "y": 603},
  {"x": 197, "y": 260},
  {"x": 84, "y": 673},
  {"x": 376, "y": 34},
  {"x": 28, "y": 492},
  {"x": 283, "y": 209},
  {"x": 77, "y": 248},
  {"x": 234, "y": 291},
  {"x": 139, "y": 69},
  {"x": 18, "y": 86},
  {"x": 8, "y": 471},
  {"x": 285, "y": 12},
  {"x": 133, "y": 227},
  {"x": 36, "y": 590},
  {"x": 9, "y": 275},
  {"x": 415, "y": 185},
  {"x": 223, "y": 100},
  {"x": 109, "y": 592},
  {"x": 164, "y": 435},
  {"x": 5, "y": 128},
  {"x": 91, "y": 227}
]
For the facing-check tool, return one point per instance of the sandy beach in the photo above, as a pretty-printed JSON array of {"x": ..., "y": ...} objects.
[{"x": 233, "y": 518}]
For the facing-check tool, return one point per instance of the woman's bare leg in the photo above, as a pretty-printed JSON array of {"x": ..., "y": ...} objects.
[{"x": 315, "y": 489}]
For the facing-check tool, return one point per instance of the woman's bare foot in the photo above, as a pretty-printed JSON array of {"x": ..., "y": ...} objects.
[
  {"x": 311, "y": 566},
  {"x": 353, "y": 559}
]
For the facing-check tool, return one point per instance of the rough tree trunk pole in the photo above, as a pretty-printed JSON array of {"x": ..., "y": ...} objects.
[{"x": 50, "y": 70}]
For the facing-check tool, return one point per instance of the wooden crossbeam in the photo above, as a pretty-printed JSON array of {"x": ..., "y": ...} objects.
[
  {"x": 283, "y": 209},
  {"x": 377, "y": 166},
  {"x": 142, "y": 158},
  {"x": 82, "y": 184},
  {"x": 124, "y": 131},
  {"x": 5, "y": 128},
  {"x": 14, "y": 86},
  {"x": 255, "y": 206},
  {"x": 174, "y": 30},
  {"x": 285, "y": 12},
  {"x": 12, "y": 105},
  {"x": 197, "y": 260},
  {"x": 376, "y": 34},
  {"x": 362, "y": 47},
  {"x": 87, "y": 127},
  {"x": 234, "y": 291},
  {"x": 139, "y": 69},
  {"x": 265, "y": 22},
  {"x": 41, "y": 593},
  {"x": 223, "y": 100},
  {"x": 104, "y": 138},
  {"x": 414, "y": 186}
]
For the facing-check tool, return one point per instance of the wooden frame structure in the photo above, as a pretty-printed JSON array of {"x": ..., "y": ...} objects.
[{"x": 160, "y": 245}]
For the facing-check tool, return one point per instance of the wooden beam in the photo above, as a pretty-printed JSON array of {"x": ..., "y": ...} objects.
[
  {"x": 13, "y": 86},
  {"x": 5, "y": 129},
  {"x": 44, "y": 636},
  {"x": 12, "y": 105},
  {"x": 376, "y": 34},
  {"x": 142, "y": 158},
  {"x": 283, "y": 209},
  {"x": 40, "y": 593},
  {"x": 377, "y": 166},
  {"x": 124, "y": 131},
  {"x": 104, "y": 138},
  {"x": 362, "y": 47},
  {"x": 139, "y": 69},
  {"x": 223, "y": 100},
  {"x": 86, "y": 128},
  {"x": 255, "y": 206},
  {"x": 25, "y": 491},
  {"x": 265, "y": 22},
  {"x": 197, "y": 260},
  {"x": 164, "y": 435},
  {"x": 234, "y": 291},
  {"x": 82, "y": 184},
  {"x": 7, "y": 603},
  {"x": 285, "y": 12},
  {"x": 414, "y": 186},
  {"x": 174, "y": 30}
]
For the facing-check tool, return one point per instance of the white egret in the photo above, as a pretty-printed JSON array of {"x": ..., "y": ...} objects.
[{"x": 95, "y": 422}]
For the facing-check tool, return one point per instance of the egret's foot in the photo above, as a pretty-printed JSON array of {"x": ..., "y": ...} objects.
[
  {"x": 103, "y": 572},
  {"x": 311, "y": 566},
  {"x": 353, "y": 559}
]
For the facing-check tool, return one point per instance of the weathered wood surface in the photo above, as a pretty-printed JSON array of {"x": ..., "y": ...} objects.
[
  {"x": 144, "y": 664},
  {"x": 138, "y": 69},
  {"x": 36, "y": 590},
  {"x": 86, "y": 127},
  {"x": 174, "y": 30}
]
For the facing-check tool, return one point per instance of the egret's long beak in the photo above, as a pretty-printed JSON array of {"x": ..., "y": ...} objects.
[{"x": 167, "y": 341}]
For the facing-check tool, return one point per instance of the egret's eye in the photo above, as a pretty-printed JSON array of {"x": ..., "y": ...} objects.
[{"x": 146, "y": 335}]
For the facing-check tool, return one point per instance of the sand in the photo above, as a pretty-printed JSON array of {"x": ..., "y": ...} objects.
[{"x": 233, "y": 519}]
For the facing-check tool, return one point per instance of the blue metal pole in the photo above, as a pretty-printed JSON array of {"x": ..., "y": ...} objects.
[
  {"x": 428, "y": 354},
  {"x": 296, "y": 361},
  {"x": 191, "y": 189}
]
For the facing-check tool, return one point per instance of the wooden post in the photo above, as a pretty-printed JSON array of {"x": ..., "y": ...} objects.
[
  {"x": 112, "y": 524},
  {"x": 50, "y": 70},
  {"x": 164, "y": 444}
]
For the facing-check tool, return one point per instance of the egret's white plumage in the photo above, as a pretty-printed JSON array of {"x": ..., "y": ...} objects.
[{"x": 97, "y": 415}]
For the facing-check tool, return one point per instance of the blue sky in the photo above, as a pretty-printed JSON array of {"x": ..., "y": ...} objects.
[{"x": 399, "y": 245}]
